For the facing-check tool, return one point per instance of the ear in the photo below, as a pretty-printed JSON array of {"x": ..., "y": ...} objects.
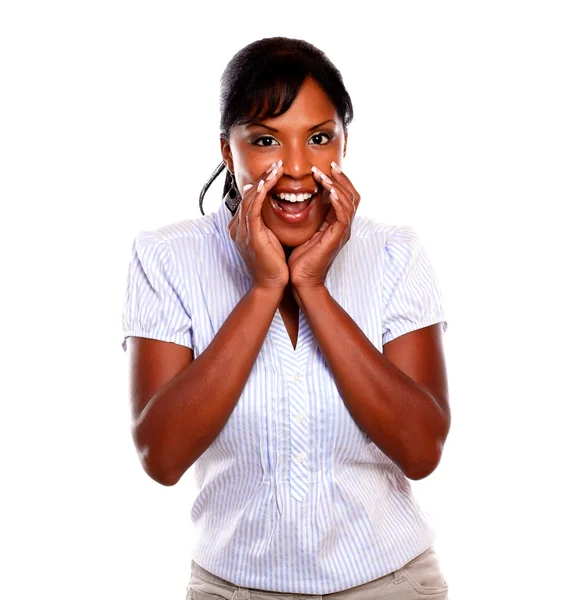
[
  {"x": 345, "y": 143},
  {"x": 226, "y": 154}
]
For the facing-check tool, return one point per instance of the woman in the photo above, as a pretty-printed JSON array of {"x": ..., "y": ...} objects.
[{"x": 292, "y": 352}]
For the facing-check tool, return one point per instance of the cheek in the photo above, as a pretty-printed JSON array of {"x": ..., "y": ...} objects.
[
  {"x": 337, "y": 153},
  {"x": 249, "y": 168},
  {"x": 325, "y": 165}
]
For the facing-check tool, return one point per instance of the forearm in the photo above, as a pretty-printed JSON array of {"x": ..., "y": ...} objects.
[
  {"x": 185, "y": 416},
  {"x": 400, "y": 416}
]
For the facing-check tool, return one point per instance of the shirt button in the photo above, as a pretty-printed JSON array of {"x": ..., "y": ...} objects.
[
  {"x": 300, "y": 457},
  {"x": 300, "y": 417},
  {"x": 296, "y": 377}
]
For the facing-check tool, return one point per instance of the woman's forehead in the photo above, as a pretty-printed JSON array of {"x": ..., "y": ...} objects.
[{"x": 311, "y": 108}]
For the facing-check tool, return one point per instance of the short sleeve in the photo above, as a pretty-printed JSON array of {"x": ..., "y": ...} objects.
[
  {"x": 154, "y": 304},
  {"x": 412, "y": 296}
]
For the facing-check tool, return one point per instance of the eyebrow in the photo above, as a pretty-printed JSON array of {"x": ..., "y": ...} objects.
[{"x": 276, "y": 130}]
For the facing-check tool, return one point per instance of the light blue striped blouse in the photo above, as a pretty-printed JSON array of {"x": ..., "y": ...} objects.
[{"x": 292, "y": 495}]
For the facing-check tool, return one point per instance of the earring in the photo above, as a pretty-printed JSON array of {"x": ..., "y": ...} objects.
[{"x": 233, "y": 197}]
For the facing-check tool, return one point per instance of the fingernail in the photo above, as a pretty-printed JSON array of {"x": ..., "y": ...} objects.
[
  {"x": 260, "y": 185},
  {"x": 324, "y": 177},
  {"x": 280, "y": 162},
  {"x": 272, "y": 166},
  {"x": 335, "y": 167},
  {"x": 247, "y": 187},
  {"x": 334, "y": 193},
  {"x": 272, "y": 175}
]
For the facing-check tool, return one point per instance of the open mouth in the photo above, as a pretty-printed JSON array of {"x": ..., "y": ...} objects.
[{"x": 291, "y": 206}]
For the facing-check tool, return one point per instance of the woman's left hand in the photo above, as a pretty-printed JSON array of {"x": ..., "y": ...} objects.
[{"x": 309, "y": 263}]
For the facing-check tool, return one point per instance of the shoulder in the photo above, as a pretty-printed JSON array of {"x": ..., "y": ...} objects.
[
  {"x": 396, "y": 239},
  {"x": 366, "y": 227},
  {"x": 402, "y": 242},
  {"x": 176, "y": 236},
  {"x": 396, "y": 252}
]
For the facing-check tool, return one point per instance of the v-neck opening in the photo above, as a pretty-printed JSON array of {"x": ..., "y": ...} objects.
[
  {"x": 298, "y": 329},
  {"x": 282, "y": 337}
]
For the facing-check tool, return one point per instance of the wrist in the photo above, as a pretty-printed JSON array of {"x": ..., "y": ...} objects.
[
  {"x": 305, "y": 292},
  {"x": 271, "y": 293}
]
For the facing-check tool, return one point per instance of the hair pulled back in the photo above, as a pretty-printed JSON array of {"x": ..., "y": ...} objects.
[{"x": 262, "y": 81}]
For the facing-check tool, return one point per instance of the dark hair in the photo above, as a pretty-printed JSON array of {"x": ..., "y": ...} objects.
[{"x": 261, "y": 82}]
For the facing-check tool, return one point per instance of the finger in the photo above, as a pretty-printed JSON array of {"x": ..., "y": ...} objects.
[
  {"x": 247, "y": 201},
  {"x": 346, "y": 191},
  {"x": 254, "y": 185},
  {"x": 342, "y": 214},
  {"x": 262, "y": 175},
  {"x": 254, "y": 213},
  {"x": 339, "y": 176},
  {"x": 329, "y": 184},
  {"x": 232, "y": 224},
  {"x": 241, "y": 210},
  {"x": 343, "y": 195},
  {"x": 246, "y": 188}
]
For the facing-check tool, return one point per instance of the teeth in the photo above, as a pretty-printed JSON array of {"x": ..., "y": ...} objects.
[{"x": 294, "y": 197}]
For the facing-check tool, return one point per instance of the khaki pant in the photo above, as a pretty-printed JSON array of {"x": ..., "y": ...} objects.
[{"x": 420, "y": 578}]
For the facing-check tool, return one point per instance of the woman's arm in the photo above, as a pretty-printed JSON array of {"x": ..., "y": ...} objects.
[
  {"x": 398, "y": 397},
  {"x": 180, "y": 404}
]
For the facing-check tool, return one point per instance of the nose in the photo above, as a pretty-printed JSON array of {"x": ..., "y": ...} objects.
[{"x": 297, "y": 161}]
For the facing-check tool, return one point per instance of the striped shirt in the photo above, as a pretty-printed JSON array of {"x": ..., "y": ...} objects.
[{"x": 292, "y": 495}]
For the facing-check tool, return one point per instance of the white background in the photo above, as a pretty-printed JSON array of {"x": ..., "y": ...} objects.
[{"x": 465, "y": 129}]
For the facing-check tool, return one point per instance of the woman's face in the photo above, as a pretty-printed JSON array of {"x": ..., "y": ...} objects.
[{"x": 309, "y": 134}]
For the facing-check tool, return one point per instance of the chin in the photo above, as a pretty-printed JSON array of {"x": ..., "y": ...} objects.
[{"x": 292, "y": 239}]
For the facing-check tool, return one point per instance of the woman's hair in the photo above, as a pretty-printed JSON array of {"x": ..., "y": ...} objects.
[{"x": 261, "y": 82}]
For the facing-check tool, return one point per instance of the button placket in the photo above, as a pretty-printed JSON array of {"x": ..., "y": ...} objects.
[
  {"x": 299, "y": 434},
  {"x": 294, "y": 365}
]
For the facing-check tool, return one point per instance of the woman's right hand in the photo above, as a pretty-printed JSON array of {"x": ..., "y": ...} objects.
[{"x": 257, "y": 244}]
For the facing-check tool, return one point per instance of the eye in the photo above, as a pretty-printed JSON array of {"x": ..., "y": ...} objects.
[
  {"x": 319, "y": 135},
  {"x": 264, "y": 137}
]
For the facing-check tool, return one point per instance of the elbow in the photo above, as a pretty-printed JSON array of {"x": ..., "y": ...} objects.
[
  {"x": 426, "y": 462},
  {"x": 419, "y": 471},
  {"x": 153, "y": 464},
  {"x": 159, "y": 475},
  {"x": 422, "y": 466}
]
